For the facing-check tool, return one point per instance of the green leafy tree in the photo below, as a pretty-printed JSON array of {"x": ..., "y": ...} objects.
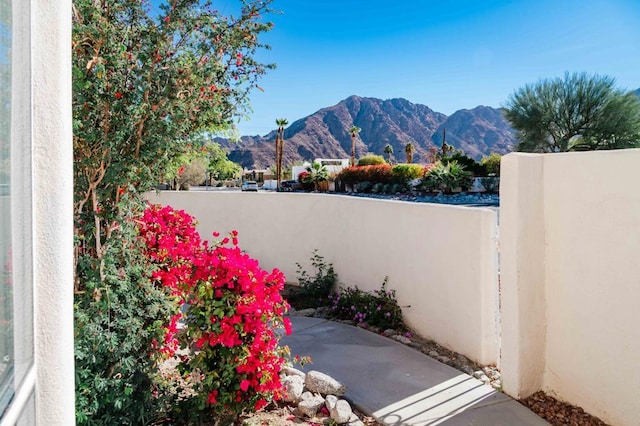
[
  {"x": 491, "y": 163},
  {"x": 409, "y": 149},
  {"x": 220, "y": 167},
  {"x": 144, "y": 84},
  {"x": 577, "y": 112},
  {"x": 353, "y": 132}
]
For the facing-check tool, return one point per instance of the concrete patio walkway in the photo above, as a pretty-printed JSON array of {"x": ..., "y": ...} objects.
[{"x": 399, "y": 385}]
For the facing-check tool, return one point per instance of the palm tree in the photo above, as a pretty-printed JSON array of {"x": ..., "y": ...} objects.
[
  {"x": 353, "y": 131},
  {"x": 408, "y": 149},
  {"x": 388, "y": 149},
  {"x": 281, "y": 123}
]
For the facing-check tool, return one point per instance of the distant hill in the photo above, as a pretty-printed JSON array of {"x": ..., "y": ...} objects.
[
  {"x": 637, "y": 92},
  {"x": 325, "y": 134}
]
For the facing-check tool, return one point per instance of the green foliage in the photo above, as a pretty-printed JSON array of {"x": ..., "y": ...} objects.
[
  {"x": 367, "y": 187},
  {"x": 447, "y": 177},
  {"x": 118, "y": 317},
  {"x": 377, "y": 309},
  {"x": 469, "y": 164},
  {"x": 314, "y": 289},
  {"x": 145, "y": 84},
  {"x": 491, "y": 164},
  {"x": 577, "y": 112},
  {"x": 220, "y": 167},
  {"x": 409, "y": 149},
  {"x": 317, "y": 173},
  {"x": 403, "y": 173},
  {"x": 388, "y": 150},
  {"x": 491, "y": 184},
  {"x": 371, "y": 160}
]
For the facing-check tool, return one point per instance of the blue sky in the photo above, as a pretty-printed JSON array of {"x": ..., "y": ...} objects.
[{"x": 447, "y": 54}]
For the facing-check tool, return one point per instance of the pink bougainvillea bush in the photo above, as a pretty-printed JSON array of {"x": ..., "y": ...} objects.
[{"x": 231, "y": 310}]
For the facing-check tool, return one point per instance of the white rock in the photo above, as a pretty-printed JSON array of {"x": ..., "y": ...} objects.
[
  {"x": 293, "y": 387},
  {"x": 322, "y": 383},
  {"x": 306, "y": 395},
  {"x": 433, "y": 354},
  {"x": 309, "y": 407},
  {"x": 477, "y": 374},
  {"x": 402, "y": 339},
  {"x": 330, "y": 401},
  {"x": 291, "y": 371},
  {"x": 341, "y": 412}
]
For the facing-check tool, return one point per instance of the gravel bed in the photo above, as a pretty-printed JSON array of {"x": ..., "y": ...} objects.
[{"x": 559, "y": 413}]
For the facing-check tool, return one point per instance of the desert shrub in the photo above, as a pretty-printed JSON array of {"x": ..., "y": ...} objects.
[
  {"x": 314, "y": 288},
  {"x": 491, "y": 184},
  {"x": 366, "y": 187},
  {"x": 386, "y": 188},
  {"x": 193, "y": 173},
  {"x": 232, "y": 309},
  {"x": 447, "y": 177},
  {"x": 469, "y": 164},
  {"x": 491, "y": 164},
  {"x": 378, "y": 188},
  {"x": 119, "y": 315},
  {"x": 398, "y": 187},
  {"x": 374, "y": 174},
  {"x": 379, "y": 308},
  {"x": 371, "y": 160},
  {"x": 403, "y": 173}
]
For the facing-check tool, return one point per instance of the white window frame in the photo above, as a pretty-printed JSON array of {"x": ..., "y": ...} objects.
[{"x": 44, "y": 214}]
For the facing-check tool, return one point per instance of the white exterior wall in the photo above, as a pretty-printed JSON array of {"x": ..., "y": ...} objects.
[
  {"x": 441, "y": 260},
  {"x": 570, "y": 229},
  {"x": 53, "y": 212}
]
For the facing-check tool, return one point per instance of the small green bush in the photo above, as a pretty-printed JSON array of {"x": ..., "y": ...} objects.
[
  {"x": 378, "y": 188},
  {"x": 377, "y": 309},
  {"x": 371, "y": 160},
  {"x": 491, "y": 164},
  {"x": 314, "y": 289},
  {"x": 447, "y": 177},
  {"x": 403, "y": 173},
  {"x": 365, "y": 187}
]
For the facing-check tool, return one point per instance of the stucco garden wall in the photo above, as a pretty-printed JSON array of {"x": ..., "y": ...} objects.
[
  {"x": 570, "y": 245},
  {"x": 441, "y": 260}
]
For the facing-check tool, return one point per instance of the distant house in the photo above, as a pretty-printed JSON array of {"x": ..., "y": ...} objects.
[
  {"x": 257, "y": 175},
  {"x": 332, "y": 165}
]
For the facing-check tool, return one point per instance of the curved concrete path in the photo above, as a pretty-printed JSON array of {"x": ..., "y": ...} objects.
[{"x": 399, "y": 385}]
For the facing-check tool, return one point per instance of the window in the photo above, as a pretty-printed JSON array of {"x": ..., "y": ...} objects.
[{"x": 16, "y": 290}]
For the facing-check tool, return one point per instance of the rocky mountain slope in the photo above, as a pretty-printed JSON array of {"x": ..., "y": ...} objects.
[{"x": 325, "y": 134}]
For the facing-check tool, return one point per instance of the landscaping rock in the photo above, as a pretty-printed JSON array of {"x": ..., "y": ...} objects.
[
  {"x": 433, "y": 354},
  {"x": 293, "y": 387},
  {"x": 291, "y": 371},
  {"x": 341, "y": 412},
  {"x": 324, "y": 384},
  {"x": 310, "y": 406},
  {"x": 389, "y": 332},
  {"x": 330, "y": 401},
  {"x": 400, "y": 338}
]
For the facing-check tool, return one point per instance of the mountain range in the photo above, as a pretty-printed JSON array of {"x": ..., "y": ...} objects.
[{"x": 325, "y": 134}]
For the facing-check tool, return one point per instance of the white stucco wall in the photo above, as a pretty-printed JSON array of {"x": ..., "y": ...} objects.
[
  {"x": 53, "y": 211},
  {"x": 441, "y": 260},
  {"x": 571, "y": 284}
]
